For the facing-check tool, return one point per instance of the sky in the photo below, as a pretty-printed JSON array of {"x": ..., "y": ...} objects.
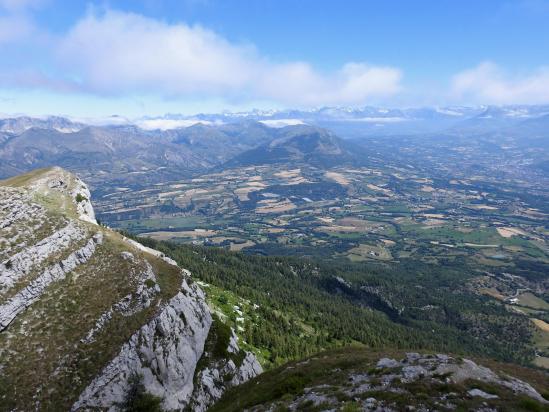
[{"x": 149, "y": 57}]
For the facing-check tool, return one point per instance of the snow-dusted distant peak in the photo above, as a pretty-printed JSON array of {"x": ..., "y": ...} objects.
[
  {"x": 20, "y": 124},
  {"x": 282, "y": 122},
  {"x": 521, "y": 112},
  {"x": 448, "y": 111},
  {"x": 169, "y": 124}
]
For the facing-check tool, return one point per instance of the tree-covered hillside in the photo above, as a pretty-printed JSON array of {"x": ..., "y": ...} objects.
[{"x": 285, "y": 308}]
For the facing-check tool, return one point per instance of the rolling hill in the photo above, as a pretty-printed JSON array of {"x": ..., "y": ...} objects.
[{"x": 295, "y": 144}]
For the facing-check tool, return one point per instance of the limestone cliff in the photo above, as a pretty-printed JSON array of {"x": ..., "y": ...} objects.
[{"x": 85, "y": 312}]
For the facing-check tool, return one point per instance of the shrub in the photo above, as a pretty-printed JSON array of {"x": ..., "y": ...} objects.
[
  {"x": 223, "y": 299},
  {"x": 293, "y": 384},
  {"x": 529, "y": 404},
  {"x": 138, "y": 400}
]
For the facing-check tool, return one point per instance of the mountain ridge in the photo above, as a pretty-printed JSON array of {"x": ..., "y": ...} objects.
[{"x": 148, "y": 326}]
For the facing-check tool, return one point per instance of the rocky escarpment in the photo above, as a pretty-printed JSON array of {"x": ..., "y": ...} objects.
[
  {"x": 86, "y": 313},
  {"x": 164, "y": 355}
]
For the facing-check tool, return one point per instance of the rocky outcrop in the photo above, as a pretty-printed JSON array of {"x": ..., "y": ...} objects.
[
  {"x": 218, "y": 376},
  {"x": 21, "y": 263},
  {"x": 68, "y": 185},
  {"x": 56, "y": 272},
  {"x": 392, "y": 385},
  {"x": 81, "y": 196},
  {"x": 153, "y": 252},
  {"x": 164, "y": 355}
]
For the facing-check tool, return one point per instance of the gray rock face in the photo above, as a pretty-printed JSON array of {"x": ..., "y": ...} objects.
[
  {"x": 21, "y": 263},
  {"x": 213, "y": 380},
  {"x": 470, "y": 370},
  {"x": 20, "y": 217},
  {"x": 387, "y": 363},
  {"x": 65, "y": 183},
  {"x": 164, "y": 353},
  {"x": 81, "y": 196},
  {"x": 58, "y": 271},
  {"x": 481, "y": 394}
]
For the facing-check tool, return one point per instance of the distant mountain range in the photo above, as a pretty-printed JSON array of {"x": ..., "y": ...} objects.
[
  {"x": 142, "y": 152},
  {"x": 410, "y": 119},
  {"x": 352, "y": 122},
  {"x": 131, "y": 155}
]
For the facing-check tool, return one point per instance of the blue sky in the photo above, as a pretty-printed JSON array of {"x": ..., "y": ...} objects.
[{"x": 87, "y": 59}]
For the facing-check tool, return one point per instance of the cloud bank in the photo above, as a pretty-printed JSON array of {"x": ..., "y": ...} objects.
[
  {"x": 116, "y": 54},
  {"x": 488, "y": 83}
]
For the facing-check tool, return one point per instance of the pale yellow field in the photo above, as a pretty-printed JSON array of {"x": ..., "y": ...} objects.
[
  {"x": 285, "y": 174},
  {"x": 530, "y": 300},
  {"x": 350, "y": 224},
  {"x": 377, "y": 188},
  {"x": 275, "y": 230},
  {"x": 544, "y": 326},
  {"x": 483, "y": 207},
  {"x": 542, "y": 361},
  {"x": 165, "y": 235},
  {"x": 508, "y": 232},
  {"x": 296, "y": 181},
  {"x": 434, "y": 215},
  {"x": 433, "y": 222},
  {"x": 242, "y": 192},
  {"x": 492, "y": 292},
  {"x": 236, "y": 247},
  {"x": 275, "y": 207},
  {"x": 338, "y": 178}
]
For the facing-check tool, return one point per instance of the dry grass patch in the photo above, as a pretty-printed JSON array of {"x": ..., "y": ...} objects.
[
  {"x": 338, "y": 178},
  {"x": 508, "y": 232},
  {"x": 275, "y": 207}
]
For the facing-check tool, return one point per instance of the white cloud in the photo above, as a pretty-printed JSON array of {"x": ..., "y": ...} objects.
[
  {"x": 118, "y": 53},
  {"x": 168, "y": 124},
  {"x": 489, "y": 84},
  {"x": 354, "y": 83},
  {"x": 122, "y": 52},
  {"x": 278, "y": 123}
]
